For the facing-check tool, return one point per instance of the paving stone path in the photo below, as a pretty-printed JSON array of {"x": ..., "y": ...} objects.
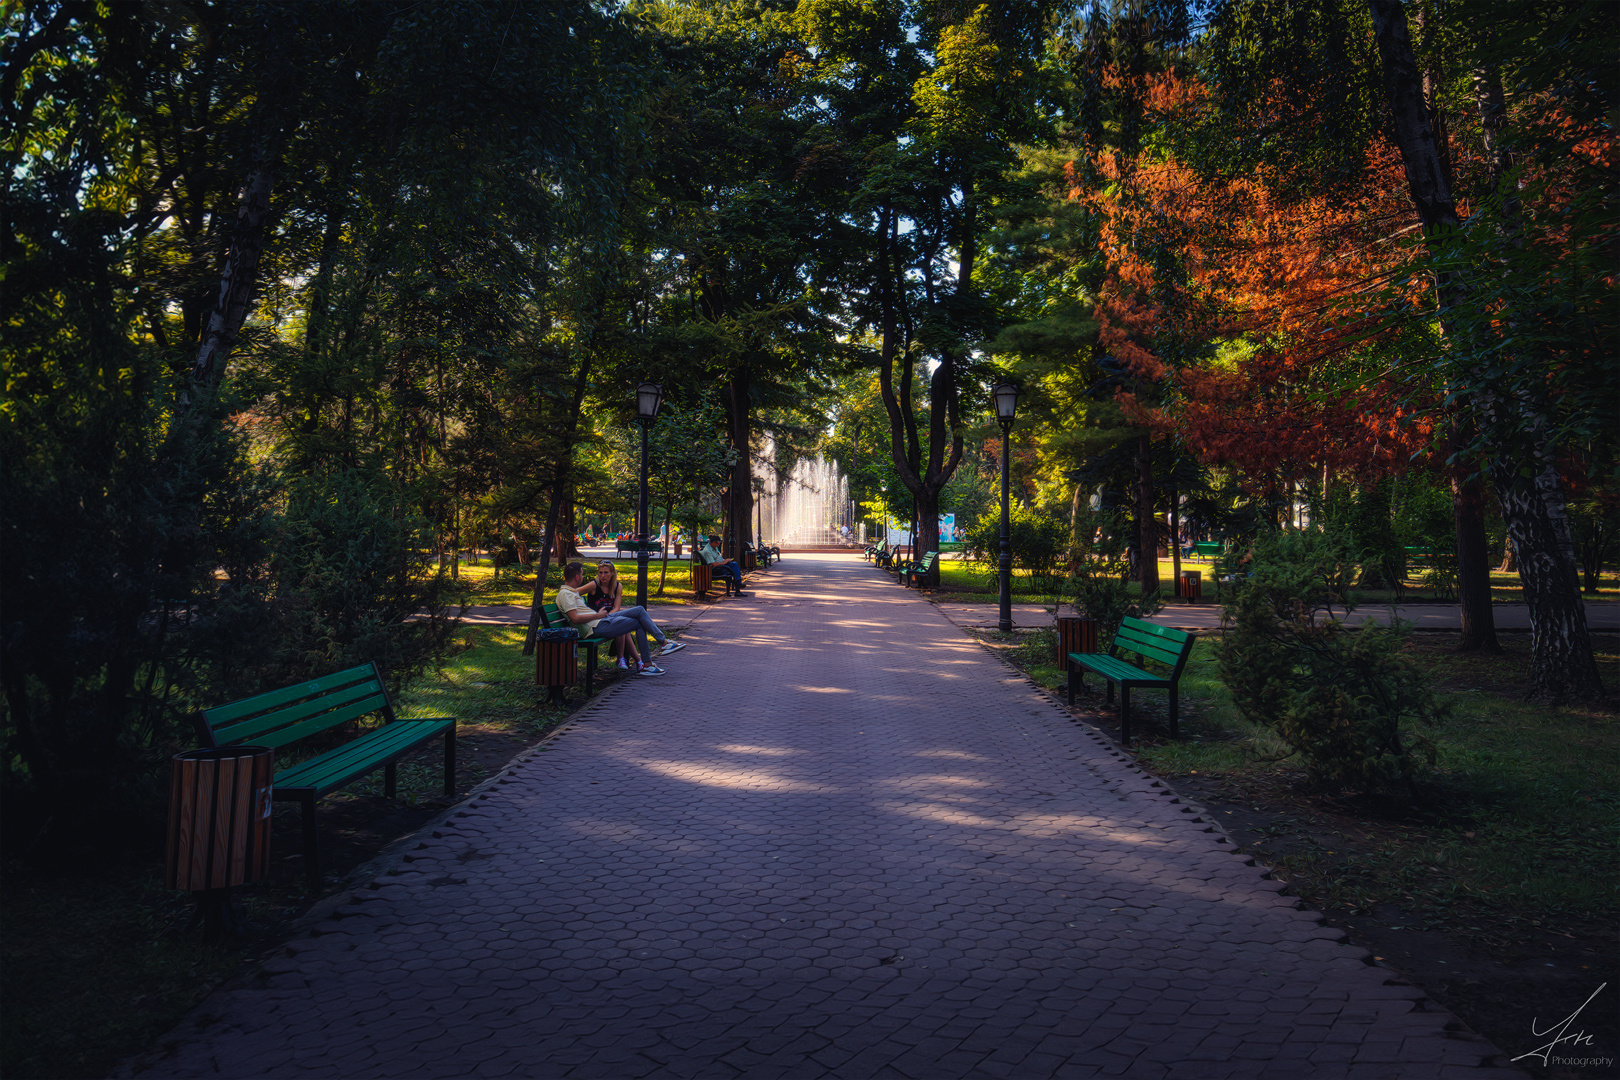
[{"x": 838, "y": 839}]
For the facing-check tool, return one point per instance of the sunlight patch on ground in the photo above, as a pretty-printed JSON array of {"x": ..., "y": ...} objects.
[{"x": 711, "y": 775}]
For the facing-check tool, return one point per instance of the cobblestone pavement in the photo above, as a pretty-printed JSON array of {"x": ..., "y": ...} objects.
[{"x": 838, "y": 839}]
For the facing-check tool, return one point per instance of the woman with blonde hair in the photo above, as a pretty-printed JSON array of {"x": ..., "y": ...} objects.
[{"x": 606, "y": 596}]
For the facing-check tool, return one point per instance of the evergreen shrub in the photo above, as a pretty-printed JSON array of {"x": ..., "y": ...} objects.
[{"x": 1344, "y": 699}]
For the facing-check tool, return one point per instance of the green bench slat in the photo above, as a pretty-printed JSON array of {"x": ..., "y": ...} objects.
[
  {"x": 219, "y": 718},
  {"x": 1162, "y": 644},
  {"x": 307, "y": 718},
  {"x": 551, "y": 613},
  {"x": 344, "y": 763},
  {"x": 1149, "y": 650},
  {"x": 1114, "y": 668},
  {"x": 282, "y": 717}
]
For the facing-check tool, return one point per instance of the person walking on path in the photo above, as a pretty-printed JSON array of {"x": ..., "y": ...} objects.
[{"x": 628, "y": 620}]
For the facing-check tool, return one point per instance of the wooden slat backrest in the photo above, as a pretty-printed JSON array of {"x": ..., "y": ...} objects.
[
  {"x": 287, "y": 715},
  {"x": 1161, "y": 643}
]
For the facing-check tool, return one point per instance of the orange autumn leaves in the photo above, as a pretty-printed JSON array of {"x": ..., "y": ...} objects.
[{"x": 1277, "y": 280}]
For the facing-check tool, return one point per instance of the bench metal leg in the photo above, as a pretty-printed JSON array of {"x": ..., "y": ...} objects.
[
  {"x": 312, "y": 851},
  {"x": 590, "y": 672},
  {"x": 1124, "y": 715},
  {"x": 1175, "y": 703},
  {"x": 390, "y": 779},
  {"x": 450, "y": 761}
]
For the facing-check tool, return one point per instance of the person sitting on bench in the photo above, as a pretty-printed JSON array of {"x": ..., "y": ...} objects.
[
  {"x": 624, "y": 621},
  {"x": 720, "y": 566}
]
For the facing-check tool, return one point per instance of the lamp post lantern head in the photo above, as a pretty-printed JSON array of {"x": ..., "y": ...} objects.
[
  {"x": 649, "y": 399},
  {"x": 1005, "y": 395}
]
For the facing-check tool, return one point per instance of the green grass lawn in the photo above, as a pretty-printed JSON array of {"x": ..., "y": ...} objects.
[
  {"x": 1517, "y": 824},
  {"x": 977, "y": 583},
  {"x": 515, "y": 585}
]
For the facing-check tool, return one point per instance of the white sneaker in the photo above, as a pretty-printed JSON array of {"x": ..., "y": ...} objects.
[
  {"x": 670, "y": 645},
  {"x": 651, "y": 669},
  {"x": 622, "y": 665}
]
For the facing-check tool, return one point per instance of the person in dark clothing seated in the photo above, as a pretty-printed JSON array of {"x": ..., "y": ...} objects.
[{"x": 719, "y": 566}]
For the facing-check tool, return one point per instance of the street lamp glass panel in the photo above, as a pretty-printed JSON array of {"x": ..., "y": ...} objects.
[
  {"x": 649, "y": 399},
  {"x": 1006, "y": 398}
]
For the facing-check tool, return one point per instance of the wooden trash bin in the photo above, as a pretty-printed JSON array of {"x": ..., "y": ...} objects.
[
  {"x": 702, "y": 579},
  {"x": 219, "y": 827},
  {"x": 749, "y": 562},
  {"x": 1191, "y": 586},
  {"x": 555, "y": 666},
  {"x": 1076, "y": 633}
]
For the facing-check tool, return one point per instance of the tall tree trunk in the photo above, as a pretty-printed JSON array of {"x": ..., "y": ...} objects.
[
  {"x": 663, "y": 570},
  {"x": 1473, "y": 557},
  {"x": 1523, "y": 466},
  {"x": 561, "y": 485},
  {"x": 1147, "y": 523},
  {"x": 1175, "y": 539},
  {"x": 520, "y": 542},
  {"x": 567, "y": 529},
  {"x": 740, "y": 505},
  {"x": 237, "y": 279}
]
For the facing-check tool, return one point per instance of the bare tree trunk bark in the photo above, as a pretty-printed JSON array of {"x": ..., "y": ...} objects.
[
  {"x": 1523, "y": 466},
  {"x": 520, "y": 542},
  {"x": 561, "y": 485},
  {"x": 740, "y": 516},
  {"x": 1473, "y": 558},
  {"x": 1147, "y": 524},
  {"x": 1175, "y": 539}
]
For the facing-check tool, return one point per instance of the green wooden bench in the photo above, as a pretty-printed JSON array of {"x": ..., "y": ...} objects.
[
  {"x": 551, "y": 615},
  {"x": 1208, "y": 549},
  {"x": 1420, "y": 558},
  {"x": 1157, "y": 644},
  {"x": 917, "y": 573},
  {"x": 280, "y": 718}
]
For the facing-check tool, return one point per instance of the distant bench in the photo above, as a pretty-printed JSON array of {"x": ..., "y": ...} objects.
[
  {"x": 280, "y": 718},
  {"x": 915, "y": 574}
]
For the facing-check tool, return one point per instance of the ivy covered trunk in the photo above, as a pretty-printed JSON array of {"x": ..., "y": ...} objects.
[{"x": 1147, "y": 523}]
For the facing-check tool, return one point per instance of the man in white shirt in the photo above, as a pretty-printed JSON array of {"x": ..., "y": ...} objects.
[
  {"x": 624, "y": 621},
  {"x": 719, "y": 565}
]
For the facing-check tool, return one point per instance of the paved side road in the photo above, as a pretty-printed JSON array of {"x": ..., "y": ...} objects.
[{"x": 838, "y": 839}]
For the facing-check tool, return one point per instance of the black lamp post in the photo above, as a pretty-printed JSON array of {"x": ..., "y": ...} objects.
[
  {"x": 1005, "y": 396},
  {"x": 649, "y": 399}
]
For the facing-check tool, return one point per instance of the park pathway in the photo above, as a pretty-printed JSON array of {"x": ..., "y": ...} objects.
[{"x": 838, "y": 839}]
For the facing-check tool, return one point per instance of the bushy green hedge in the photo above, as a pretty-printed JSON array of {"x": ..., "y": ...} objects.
[{"x": 1344, "y": 699}]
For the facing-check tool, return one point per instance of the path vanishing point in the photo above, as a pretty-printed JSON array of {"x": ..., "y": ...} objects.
[{"x": 839, "y": 839}]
